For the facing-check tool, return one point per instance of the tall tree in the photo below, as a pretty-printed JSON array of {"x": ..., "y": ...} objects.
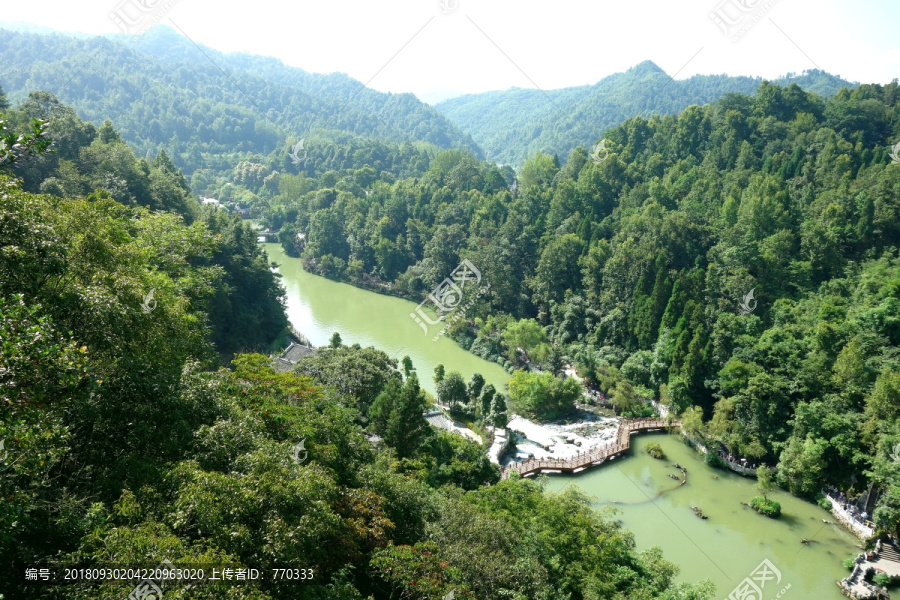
[
  {"x": 396, "y": 415},
  {"x": 498, "y": 411},
  {"x": 452, "y": 392},
  {"x": 335, "y": 341},
  {"x": 475, "y": 386},
  {"x": 487, "y": 398}
]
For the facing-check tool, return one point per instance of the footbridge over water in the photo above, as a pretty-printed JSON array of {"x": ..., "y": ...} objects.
[{"x": 583, "y": 460}]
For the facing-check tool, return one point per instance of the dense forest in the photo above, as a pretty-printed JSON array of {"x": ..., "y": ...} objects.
[
  {"x": 161, "y": 91},
  {"x": 126, "y": 442},
  {"x": 511, "y": 125},
  {"x": 241, "y": 298},
  {"x": 737, "y": 261}
]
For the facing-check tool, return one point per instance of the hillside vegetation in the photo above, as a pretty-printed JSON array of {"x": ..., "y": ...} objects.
[
  {"x": 209, "y": 109},
  {"x": 126, "y": 443},
  {"x": 738, "y": 261},
  {"x": 512, "y": 125}
]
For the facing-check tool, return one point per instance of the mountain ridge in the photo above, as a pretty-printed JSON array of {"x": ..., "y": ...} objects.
[
  {"x": 556, "y": 121},
  {"x": 161, "y": 92}
]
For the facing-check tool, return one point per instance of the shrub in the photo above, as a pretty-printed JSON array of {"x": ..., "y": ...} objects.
[
  {"x": 848, "y": 563},
  {"x": 713, "y": 460},
  {"x": 881, "y": 579},
  {"x": 823, "y": 502},
  {"x": 655, "y": 450},
  {"x": 766, "y": 506}
]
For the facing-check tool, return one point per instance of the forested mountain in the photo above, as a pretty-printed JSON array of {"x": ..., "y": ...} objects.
[
  {"x": 123, "y": 444},
  {"x": 738, "y": 261},
  {"x": 512, "y": 125},
  {"x": 161, "y": 92},
  {"x": 232, "y": 285}
]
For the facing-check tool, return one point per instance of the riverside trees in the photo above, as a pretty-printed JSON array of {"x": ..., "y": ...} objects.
[{"x": 638, "y": 269}]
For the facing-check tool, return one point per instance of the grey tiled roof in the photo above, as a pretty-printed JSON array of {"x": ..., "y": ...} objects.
[
  {"x": 295, "y": 352},
  {"x": 291, "y": 355}
]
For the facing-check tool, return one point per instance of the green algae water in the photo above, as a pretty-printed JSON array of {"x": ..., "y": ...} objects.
[
  {"x": 317, "y": 307},
  {"x": 724, "y": 548},
  {"x": 733, "y": 540}
]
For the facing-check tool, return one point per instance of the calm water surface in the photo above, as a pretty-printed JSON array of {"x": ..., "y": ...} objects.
[
  {"x": 725, "y": 548},
  {"x": 729, "y": 545},
  {"x": 317, "y": 307}
]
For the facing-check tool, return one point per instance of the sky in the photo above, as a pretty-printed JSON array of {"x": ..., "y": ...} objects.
[{"x": 440, "y": 48}]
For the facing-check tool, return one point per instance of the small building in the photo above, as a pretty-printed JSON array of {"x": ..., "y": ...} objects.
[
  {"x": 374, "y": 439},
  {"x": 210, "y": 202},
  {"x": 243, "y": 213},
  {"x": 291, "y": 356}
]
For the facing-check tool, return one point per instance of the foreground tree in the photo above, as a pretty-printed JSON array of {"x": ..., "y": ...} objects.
[{"x": 396, "y": 415}]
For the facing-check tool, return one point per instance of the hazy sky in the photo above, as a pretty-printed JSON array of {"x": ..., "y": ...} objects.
[{"x": 469, "y": 46}]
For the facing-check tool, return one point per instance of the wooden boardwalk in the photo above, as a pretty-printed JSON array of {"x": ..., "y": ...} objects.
[{"x": 583, "y": 460}]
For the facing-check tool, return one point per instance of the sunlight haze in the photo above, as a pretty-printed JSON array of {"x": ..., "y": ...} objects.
[{"x": 412, "y": 46}]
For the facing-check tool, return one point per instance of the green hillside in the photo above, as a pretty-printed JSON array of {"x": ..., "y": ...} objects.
[
  {"x": 161, "y": 92},
  {"x": 513, "y": 124},
  {"x": 737, "y": 262}
]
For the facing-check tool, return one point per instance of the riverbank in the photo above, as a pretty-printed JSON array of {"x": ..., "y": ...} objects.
[
  {"x": 318, "y": 307},
  {"x": 441, "y": 419},
  {"x": 863, "y": 530}
]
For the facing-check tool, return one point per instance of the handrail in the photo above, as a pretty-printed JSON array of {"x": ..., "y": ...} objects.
[{"x": 584, "y": 460}]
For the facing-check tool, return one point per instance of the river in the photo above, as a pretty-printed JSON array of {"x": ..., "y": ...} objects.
[
  {"x": 734, "y": 540},
  {"x": 317, "y": 307},
  {"x": 725, "y": 548}
]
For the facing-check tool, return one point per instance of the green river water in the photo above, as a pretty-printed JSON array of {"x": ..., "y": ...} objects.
[
  {"x": 729, "y": 545},
  {"x": 725, "y": 548},
  {"x": 317, "y": 307}
]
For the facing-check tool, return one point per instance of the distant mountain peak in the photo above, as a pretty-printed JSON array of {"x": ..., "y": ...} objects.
[
  {"x": 512, "y": 125},
  {"x": 646, "y": 67}
]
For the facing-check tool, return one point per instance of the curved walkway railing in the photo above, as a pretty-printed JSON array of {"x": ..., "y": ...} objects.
[
  {"x": 583, "y": 460},
  {"x": 861, "y": 528}
]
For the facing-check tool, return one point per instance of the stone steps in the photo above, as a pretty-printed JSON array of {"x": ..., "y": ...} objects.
[{"x": 888, "y": 552}]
